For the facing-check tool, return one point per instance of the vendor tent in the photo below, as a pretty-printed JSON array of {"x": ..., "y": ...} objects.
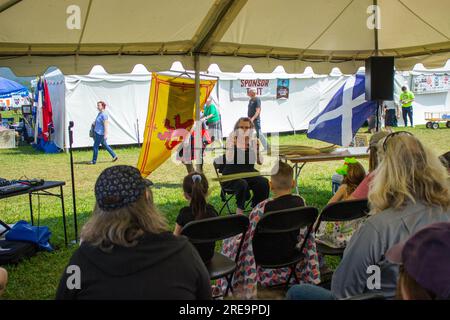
[
  {"x": 12, "y": 94},
  {"x": 74, "y": 98},
  {"x": 308, "y": 95},
  {"x": 77, "y": 34}
]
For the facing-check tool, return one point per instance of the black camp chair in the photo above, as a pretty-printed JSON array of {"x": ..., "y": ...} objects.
[
  {"x": 226, "y": 195},
  {"x": 340, "y": 212},
  {"x": 214, "y": 229},
  {"x": 275, "y": 242}
]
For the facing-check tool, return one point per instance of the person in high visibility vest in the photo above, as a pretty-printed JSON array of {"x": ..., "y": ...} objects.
[{"x": 406, "y": 100}]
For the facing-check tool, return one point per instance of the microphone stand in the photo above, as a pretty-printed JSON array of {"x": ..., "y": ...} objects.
[{"x": 73, "y": 181}]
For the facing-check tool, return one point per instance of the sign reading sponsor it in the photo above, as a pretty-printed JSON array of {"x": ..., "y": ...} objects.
[{"x": 265, "y": 88}]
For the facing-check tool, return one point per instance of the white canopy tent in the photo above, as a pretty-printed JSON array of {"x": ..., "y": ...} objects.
[
  {"x": 74, "y": 98},
  {"x": 77, "y": 34},
  {"x": 308, "y": 95}
]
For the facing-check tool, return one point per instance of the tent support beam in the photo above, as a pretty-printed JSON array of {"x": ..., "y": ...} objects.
[
  {"x": 219, "y": 18},
  {"x": 8, "y": 5},
  {"x": 198, "y": 126},
  {"x": 377, "y": 52}
]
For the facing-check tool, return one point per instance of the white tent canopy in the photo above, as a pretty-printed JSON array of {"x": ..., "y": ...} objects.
[
  {"x": 74, "y": 99},
  {"x": 77, "y": 34}
]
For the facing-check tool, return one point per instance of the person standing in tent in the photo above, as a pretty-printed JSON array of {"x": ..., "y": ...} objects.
[
  {"x": 212, "y": 117},
  {"x": 391, "y": 114},
  {"x": 406, "y": 100},
  {"x": 254, "y": 113},
  {"x": 100, "y": 134}
]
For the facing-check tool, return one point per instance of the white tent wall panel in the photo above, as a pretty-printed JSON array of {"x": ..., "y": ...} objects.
[
  {"x": 429, "y": 102},
  {"x": 56, "y": 88},
  {"x": 127, "y": 104},
  {"x": 307, "y": 97}
]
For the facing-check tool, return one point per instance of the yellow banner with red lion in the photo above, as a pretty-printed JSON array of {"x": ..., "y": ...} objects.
[{"x": 170, "y": 117}]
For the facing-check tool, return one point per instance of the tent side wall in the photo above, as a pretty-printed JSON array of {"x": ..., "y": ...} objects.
[
  {"x": 307, "y": 98},
  {"x": 126, "y": 98}
]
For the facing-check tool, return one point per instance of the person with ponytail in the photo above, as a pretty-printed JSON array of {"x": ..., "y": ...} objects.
[{"x": 195, "y": 188}]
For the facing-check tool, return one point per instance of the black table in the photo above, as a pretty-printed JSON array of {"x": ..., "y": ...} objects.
[{"x": 41, "y": 191}]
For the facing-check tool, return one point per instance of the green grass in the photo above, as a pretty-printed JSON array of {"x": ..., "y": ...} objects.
[{"x": 38, "y": 277}]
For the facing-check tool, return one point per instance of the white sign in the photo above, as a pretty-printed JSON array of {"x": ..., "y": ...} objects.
[
  {"x": 265, "y": 89},
  {"x": 17, "y": 101},
  {"x": 431, "y": 83}
]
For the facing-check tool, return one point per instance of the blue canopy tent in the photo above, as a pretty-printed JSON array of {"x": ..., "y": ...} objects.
[{"x": 9, "y": 88}]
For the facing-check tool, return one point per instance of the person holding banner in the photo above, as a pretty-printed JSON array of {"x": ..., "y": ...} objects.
[
  {"x": 242, "y": 152},
  {"x": 254, "y": 113},
  {"x": 212, "y": 117},
  {"x": 187, "y": 151}
]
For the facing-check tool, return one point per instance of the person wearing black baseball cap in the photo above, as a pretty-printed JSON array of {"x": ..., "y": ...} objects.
[
  {"x": 424, "y": 261},
  {"x": 127, "y": 251}
]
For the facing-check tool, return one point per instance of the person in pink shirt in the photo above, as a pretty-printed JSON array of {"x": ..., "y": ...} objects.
[{"x": 362, "y": 191}]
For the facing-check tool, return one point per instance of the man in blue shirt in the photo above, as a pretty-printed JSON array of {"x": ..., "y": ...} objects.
[{"x": 101, "y": 132}]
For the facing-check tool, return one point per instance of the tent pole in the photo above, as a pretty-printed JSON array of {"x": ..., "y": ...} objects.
[
  {"x": 198, "y": 126},
  {"x": 377, "y": 53}
]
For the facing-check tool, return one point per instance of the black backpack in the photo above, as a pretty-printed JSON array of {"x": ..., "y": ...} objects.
[{"x": 12, "y": 252}]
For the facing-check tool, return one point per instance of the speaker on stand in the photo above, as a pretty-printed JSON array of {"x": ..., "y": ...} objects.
[
  {"x": 379, "y": 82},
  {"x": 71, "y": 124}
]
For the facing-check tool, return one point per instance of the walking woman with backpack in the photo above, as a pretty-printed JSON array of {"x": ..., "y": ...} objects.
[{"x": 99, "y": 132}]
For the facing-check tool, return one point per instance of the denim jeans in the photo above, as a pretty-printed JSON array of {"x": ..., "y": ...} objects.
[
  {"x": 407, "y": 113},
  {"x": 260, "y": 135},
  {"x": 309, "y": 292},
  {"x": 100, "y": 140}
]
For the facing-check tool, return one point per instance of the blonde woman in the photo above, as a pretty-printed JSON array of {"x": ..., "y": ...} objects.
[
  {"x": 407, "y": 193},
  {"x": 127, "y": 252},
  {"x": 242, "y": 153}
]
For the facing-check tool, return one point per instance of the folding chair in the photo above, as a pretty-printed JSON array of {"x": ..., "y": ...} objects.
[
  {"x": 275, "y": 242},
  {"x": 226, "y": 194},
  {"x": 340, "y": 212},
  {"x": 209, "y": 230}
]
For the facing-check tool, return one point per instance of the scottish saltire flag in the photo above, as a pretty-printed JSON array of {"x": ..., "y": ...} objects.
[{"x": 344, "y": 114}]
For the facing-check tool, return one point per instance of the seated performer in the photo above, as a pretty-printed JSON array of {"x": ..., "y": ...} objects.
[{"x": 241, "y": 154}]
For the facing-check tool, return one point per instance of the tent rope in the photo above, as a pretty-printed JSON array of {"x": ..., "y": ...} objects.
[
  {"x": 84, "y": 25},
  {"x": 423, "y": 20},
  {"x": 328, "y": 27}
]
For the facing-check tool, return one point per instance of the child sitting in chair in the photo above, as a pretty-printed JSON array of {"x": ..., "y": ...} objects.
[
  {"x": 337, "y": 234},
  {"x": 247, "y": 276},
  {"x": 195, "y": 189}
]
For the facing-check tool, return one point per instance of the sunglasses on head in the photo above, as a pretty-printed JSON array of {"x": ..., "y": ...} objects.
[{"x": 388, "y": 137}]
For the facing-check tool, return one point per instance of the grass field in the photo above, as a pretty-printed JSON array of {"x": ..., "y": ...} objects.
[{"x": 38, "y": 277}]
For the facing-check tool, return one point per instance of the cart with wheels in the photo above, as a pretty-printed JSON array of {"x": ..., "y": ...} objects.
[{"x": 433, "y": 119}]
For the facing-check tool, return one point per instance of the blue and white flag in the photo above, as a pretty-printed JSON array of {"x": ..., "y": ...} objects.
[{"x": 344, "y": 114}]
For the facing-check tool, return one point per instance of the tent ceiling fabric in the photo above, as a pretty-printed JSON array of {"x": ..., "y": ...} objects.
[{"x": 264, "y": 33}]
